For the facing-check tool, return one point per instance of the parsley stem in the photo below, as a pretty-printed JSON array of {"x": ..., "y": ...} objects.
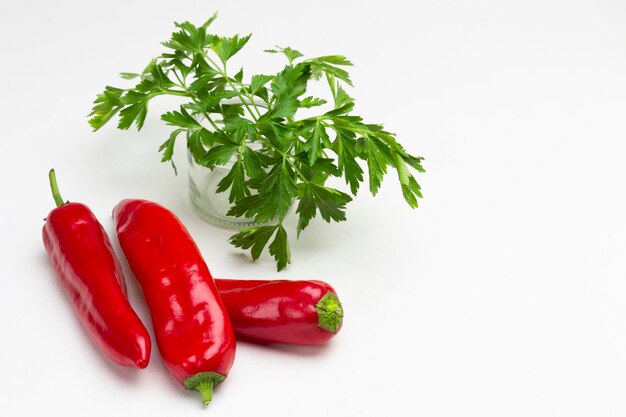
[
  {"x": 196, "y": 100},
  {"x": 170, "y": 92},
  {"x": 286, "y": 157},
  {"x": 241, "y": 97},
  {"x": 223, "y": 73},
  {"x": 180, "y": 82},
  {"x": 215, "y": 126},
  {"x": 248, "y": 96},
  {"x": 251, "y": 98}
]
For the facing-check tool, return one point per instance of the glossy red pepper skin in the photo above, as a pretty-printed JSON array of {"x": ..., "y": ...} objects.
[
  {"x": 296, "y": 312},
  {"x": 90, "y": 274},
  {"x": 192, "y": 329}
]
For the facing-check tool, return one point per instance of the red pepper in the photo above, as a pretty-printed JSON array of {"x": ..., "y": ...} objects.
[
  {"x": 299, "y": 312},
  {"x": 192, "y": 329},
  {"x": 90, "y": 274}
]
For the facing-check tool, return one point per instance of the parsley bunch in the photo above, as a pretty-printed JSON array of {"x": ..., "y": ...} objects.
[{"x": 296, "y": 156}]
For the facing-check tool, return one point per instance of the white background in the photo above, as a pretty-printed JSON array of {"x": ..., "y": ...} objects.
[{"x": 504, "y": 294}]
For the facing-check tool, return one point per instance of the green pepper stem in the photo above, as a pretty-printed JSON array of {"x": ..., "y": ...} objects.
[
  {"x": 206, "y": 391},
  {"x": 329, "y": 312},
  {"x": 55, "y": 188},
  {"x": 203, "y": 382}
]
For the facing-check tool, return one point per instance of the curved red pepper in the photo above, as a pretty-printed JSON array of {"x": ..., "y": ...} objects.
[
  {"x": 90, "y": 274},
  {"x": 298, "y": 312},
  {"x": 192, "y": 329}
]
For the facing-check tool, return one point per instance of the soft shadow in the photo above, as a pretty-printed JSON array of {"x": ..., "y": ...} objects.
[
  {"x": 244, "y": 260},
  {"x": 126, "y": 374},
  {"x": 294, "y": 350},
  {"x": 241, "y": 257},
  {"x": 167, "y": 376}
]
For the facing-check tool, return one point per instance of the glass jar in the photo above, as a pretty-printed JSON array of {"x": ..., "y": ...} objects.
[
  {"x": 206, "y": 201},
  {"x": 203, "y": 181}
]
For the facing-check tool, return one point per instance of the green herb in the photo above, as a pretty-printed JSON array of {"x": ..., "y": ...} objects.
[{"x": 296, "y": 155}]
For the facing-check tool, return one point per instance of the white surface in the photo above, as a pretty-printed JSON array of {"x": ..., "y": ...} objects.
[{"x": 504, "y": 294}]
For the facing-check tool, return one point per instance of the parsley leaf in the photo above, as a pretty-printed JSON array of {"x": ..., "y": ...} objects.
[
  {"x": 311, "y": 101},
  {"x": 134, "y": 113},
  {"x": 181, "y": 118},
  {"x": 226, "y": 47},
  {"x": 345, "y": 146},
  {"x": 291, "y": 54},
  {"x": 281, "y": 186},
  {"x": 254, "y": 238},
  {"x": 287, "y": 86},
  {"x": 316, "y": 142},
  {"x": 235, "y": 180},
  {"x": 168, "y": 148},
  {"x": 279, "y": 248},
  {"x": 258, "y": 81},
  {"x": 330, "y": 203}
]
